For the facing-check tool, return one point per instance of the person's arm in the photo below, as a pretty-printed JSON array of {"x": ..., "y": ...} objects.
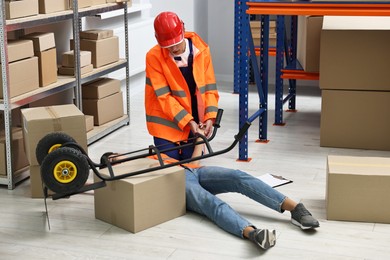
[{"x": 198, "y": 150}]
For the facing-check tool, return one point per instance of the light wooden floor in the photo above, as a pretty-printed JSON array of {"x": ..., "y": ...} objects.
[{"x": 293, "y": 151}]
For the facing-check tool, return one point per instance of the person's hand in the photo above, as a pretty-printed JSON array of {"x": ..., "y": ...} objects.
[
  {"x": 208, "y": 127},
  {"x": 194, "y": 126}
]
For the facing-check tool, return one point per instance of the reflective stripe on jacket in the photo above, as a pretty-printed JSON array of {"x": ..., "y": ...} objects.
[{"x": 167, "y": 97}]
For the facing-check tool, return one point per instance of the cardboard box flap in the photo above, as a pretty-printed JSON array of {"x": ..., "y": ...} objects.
[
  {"x": 359, "y": 165},
  {"x": 39, "y": 113}
]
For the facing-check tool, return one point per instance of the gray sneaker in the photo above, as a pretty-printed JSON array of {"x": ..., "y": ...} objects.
[
  {"x": 302, "y": 218},
  {"x": 264, "y": 238}
]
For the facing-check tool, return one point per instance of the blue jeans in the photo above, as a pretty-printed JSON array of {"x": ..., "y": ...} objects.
[{"x": 202, "y": 184}]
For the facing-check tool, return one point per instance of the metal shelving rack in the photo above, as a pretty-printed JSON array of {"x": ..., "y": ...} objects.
[
  {"x": 285, "y": 52},
  {"x": 7, "y": 104}
]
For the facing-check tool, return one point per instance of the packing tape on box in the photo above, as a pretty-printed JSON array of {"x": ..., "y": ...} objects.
[
  {"x": 56, "y": 121},
  {"x": 363, "y": 165}
]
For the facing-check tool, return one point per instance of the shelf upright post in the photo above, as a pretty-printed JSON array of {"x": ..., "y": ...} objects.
[
  {"x": 280, "y": 26},
  {"x": 263, "y": 92},
  {"x": 6, "y": 97},
  {"x": 127, "y": 55},
  {"x": 76, "y": 50},
  {"x": 292, "y": 55},
  {"x": 241, "y": 65}
]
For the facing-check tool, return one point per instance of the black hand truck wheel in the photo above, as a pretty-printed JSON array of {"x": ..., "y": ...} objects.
[
  {"x": 64, "y": 170},
  {"x": 49, "y": 143}
]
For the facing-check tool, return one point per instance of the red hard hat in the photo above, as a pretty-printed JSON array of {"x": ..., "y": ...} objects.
[{"x": 169, "y": 29}]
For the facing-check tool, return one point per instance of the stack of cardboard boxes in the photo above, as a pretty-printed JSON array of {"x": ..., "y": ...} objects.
[
  {"x": 68, "y": 59},
  {"x": 355, "y": 84},
  {"x": 23, "y": 68},
  {"x": 103, "y": 100},
  {"x": 45, "y": 50},
  {"x": 102, "y": 44},
  {"x": 19, "y": 158},
  {"x": 38, "y": 122},
  {"x": 256, "y": 32}
]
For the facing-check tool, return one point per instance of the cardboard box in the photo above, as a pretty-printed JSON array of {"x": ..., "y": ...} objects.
[
  {"x": 96, "y": 34},
  {"x": 88, "y": 122},
  {"x": 256, "y": 33},
  {"x": 47, "y": 67},
  {"x": 18, "y": 157},
  {"x": 98, "y": 2},
  {"x": 104, "y": 51},
  {"x": 355, "y": 119},
  {"x": 23, "y": 77},
  {"x": 22, "y": 8},
  {"x": 19, "y": 50},
  {"x": 81, "y": 3},
  {"x": 42, "y": 40},
  {"x": 39, "y": 121},
  {"x": 104, "y": 110},
  {"x": 36, "y": 189},
  {"x": 308, "y": 49},
  {"x": 70, "y": 71},
  {"x": 50, "y": 6},
  {"x": 100, "y": 88},
  {"x": 68, "y": 59},
  {"x": 357, "y": 188},
  {"x": 142, "y": 201},
  {"x": 62, "y": 98},
  {"x": 354, "y": 53}
]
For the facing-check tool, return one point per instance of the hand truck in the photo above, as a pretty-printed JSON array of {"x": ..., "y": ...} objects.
[{"x": 65, "y": 166}]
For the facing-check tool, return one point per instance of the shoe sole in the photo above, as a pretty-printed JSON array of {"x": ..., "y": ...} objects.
[
  {"x": 296, "y": 223},
  {"x": 269, "y": 239}
]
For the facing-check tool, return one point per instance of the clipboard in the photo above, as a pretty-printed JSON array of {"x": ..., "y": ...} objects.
[{"x": 274, "y": 180}]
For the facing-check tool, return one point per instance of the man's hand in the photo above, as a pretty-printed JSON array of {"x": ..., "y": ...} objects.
[
  {"x": 208, "y": 127},
  {"x": 194, "y": 127}
]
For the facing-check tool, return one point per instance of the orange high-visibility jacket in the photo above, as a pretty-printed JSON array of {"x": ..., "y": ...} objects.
[{"x": 167, "y": 96}]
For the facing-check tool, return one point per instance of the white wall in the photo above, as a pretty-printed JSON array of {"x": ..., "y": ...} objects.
[
  {"x": 183, "y": 8},
  {"x": 221, "y": 37}
]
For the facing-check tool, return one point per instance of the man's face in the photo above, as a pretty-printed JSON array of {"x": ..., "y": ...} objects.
[{"x": 177, "y": 49}]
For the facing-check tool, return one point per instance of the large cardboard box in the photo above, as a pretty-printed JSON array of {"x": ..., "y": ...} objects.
[
  {"x": 19, "y": 50},
  {"x": 47, "y": 67},
  {"x": 355, "y": 119},
  {"x": 104, "y": 110},
  {"x": 355, "y": 53},
  {"x": 308, "y": 48},
  {"x": 142, "y": 201},
  {"x": 23, "y": 77},
  {"x": 42, "y": 40},
  {"x": 36, "y": 188},
  {"x": 22, "y": 8},
  {"x": 68, "y": 59},
  {"x": 104, "y": 51},
  {"x": 18, "y": 157},
  {"x": 357, "y": 189},
  {"x": 50, "y": 6},
  {"x": 100, "y": 88},
  {"x": 39, "y": 121}
]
